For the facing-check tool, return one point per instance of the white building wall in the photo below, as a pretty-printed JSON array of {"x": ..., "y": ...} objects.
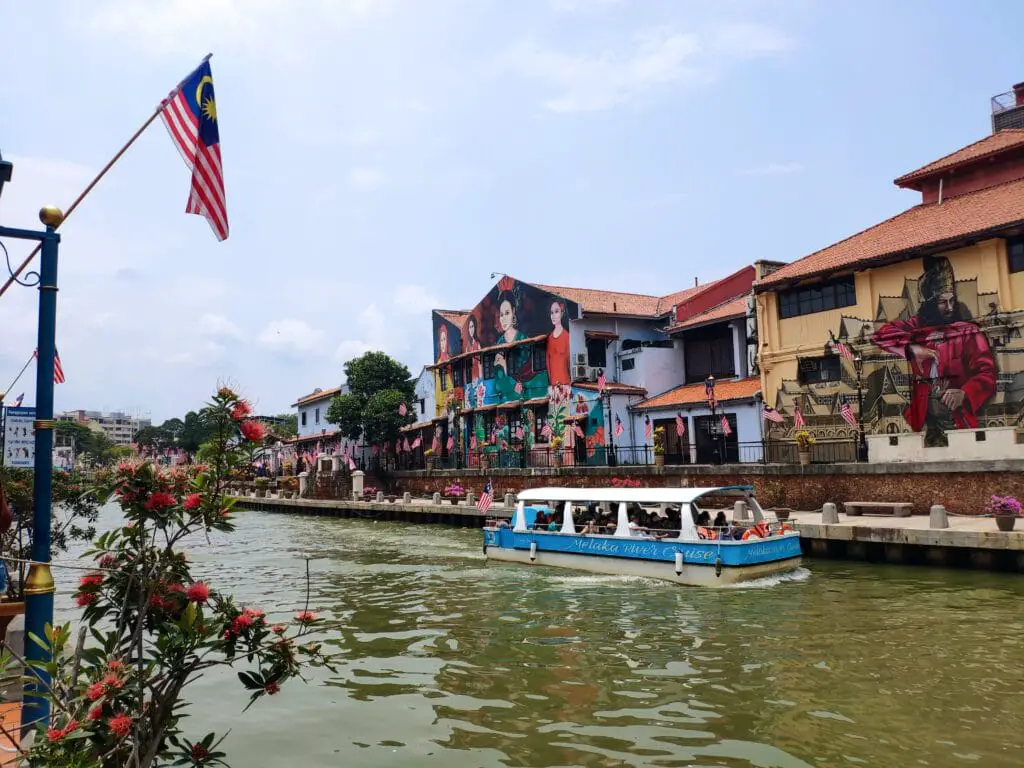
[
  {"x": 748, "y": 426},
  {"x": 657, "y": 369},
  {"x": 425, "y": 396},
  {"x": 999, "y": 443}
]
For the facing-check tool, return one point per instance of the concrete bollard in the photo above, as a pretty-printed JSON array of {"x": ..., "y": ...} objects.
[
  {"x": 436, "y": 499},
  {"x": 303, "y": 483},
  {"x": 829, "y": 514},
  {"x": 740, "y": 511},
  {"x": 407, "y": 498},
  {"x": 380, "y": 497},
  {"x": 470, "y": 501},
  {"x": 510, "y": 499},
  {"x": 357, "y": 496},
  {"x": 357, "y": 482},
  {"x": 937, "y": 517}
]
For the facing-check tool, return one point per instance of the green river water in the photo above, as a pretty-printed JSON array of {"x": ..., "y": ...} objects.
[{"x": 446, "y": 660}]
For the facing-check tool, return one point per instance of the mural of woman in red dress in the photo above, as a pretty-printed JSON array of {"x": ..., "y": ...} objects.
[
  {"x": 443, "y": 350},
  {"x": 473, "y": 345},
  {"x": 952, "y": 368},
  {"x": 558, "y": 347}
]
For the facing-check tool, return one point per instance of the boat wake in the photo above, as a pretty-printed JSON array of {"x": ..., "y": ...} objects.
[{"x": 800, "y": 574}]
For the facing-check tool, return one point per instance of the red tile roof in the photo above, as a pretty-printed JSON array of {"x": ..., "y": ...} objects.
[
  {"x": 931, "y": 225},
  {"x": 991, "y": 145},
  {"x": 619, "y": 303},
  {"x": 733, "y": 308},
  {"x": 695, "y": 394},
  {"x": 613, "y": 388},
  {"x": 321, "y": 395}
]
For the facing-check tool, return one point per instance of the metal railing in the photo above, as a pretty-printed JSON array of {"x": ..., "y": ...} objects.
[{"x": 822, "y": 452}]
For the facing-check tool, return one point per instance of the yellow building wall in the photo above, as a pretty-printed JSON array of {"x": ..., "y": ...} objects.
[{"x": 885, "y": 294}]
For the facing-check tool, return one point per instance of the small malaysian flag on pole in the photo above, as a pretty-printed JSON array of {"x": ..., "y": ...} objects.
[
  {"x": 486, "y": 498},
  {"x": 680, "y": 425},
  {"x": 841, "y": 349},
  {"x": 601, "y": 382},
  {"x": 847, "y": 413},
  {"x": 648, "y": 428},
  {"x": 798, "y": 417},
  {"x": 58, "y": 369},
  {"x": 190, "y": 116},
  {"x": 726, "y": 429},
  {"x": 619, "y": 429},
  {"x": 770, "y": 414}
]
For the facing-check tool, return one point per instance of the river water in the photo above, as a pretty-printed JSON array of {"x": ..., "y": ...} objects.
[{"x": 447, "y": 660}]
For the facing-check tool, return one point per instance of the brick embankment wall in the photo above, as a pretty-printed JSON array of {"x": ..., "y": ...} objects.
[{"x": 963, "y": 488}]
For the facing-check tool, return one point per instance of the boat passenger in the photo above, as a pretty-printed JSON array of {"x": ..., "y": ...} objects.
[
  {"x": 553, "y": 526},
  {"x": 589, "y": 528},
  {"x": 704, "y": 519},
  {"x": 720, "y": 521}
]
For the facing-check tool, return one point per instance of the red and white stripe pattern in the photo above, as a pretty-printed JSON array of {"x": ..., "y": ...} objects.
[
  {"x": 648, "y": 428},
  {"x": 770, "y": 414},
  {"x": 58, "y": 369},
  {"x": 798, "y": 417},
  {"x": 207, "y": 196},
  {"x": 486, "y": 498},
  {"x": 847, "y": 413},
  {"x": 726, "y": 429}
]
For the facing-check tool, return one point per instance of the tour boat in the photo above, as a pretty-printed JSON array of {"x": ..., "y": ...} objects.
[{"x": 692, "y": 554}]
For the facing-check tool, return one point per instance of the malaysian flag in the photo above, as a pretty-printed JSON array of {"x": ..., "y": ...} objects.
[
  {"x": 405, "y": 445},
  {"x": 190, "y": 115},
  {"x": 436, "y": 445},
  {"x": 847, "y": 413},
  {"x": 545, "y": 431},
  {"x": 680, "y": 425},
  {"x": 402, "y": 410},
  {"x": 648, "y": 428},
  {"x": 17, "y": 403},
  {"x": 472, "y": 442},
  {"x": 726, "y": 429},
  {"x": 417, "y": 442},
  {"x": 601, "y": 382},
  {"x": 841, "y": 349},
  {"x": 58, "y": 369},
  {"x": 619, "y": 429},
  {"x": 770, "y": 414},
  {"x": 351, "y": 465},
  {"x": 798, "y": 417},
  {"x": 486, "y": 498},
  {"x": 709, "y": 390},
  {"x": 451, "y": 443}
]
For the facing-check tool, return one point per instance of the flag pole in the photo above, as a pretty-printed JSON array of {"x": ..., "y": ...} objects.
[
  {"x": 24, "y": 368},
  {"x": 101, "y": 174}
]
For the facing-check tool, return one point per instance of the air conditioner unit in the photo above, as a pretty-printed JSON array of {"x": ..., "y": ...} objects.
[
  {"x": 593, "y": 373},
  {"x": 581, "y": 358},
  {"x": 580, "y": 373}
]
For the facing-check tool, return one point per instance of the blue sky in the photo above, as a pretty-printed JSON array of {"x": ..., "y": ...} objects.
[{"x": 385, "y": 156}]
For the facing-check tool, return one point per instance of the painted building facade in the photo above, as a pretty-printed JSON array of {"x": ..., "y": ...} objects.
[{"x": 912, "y": 327}]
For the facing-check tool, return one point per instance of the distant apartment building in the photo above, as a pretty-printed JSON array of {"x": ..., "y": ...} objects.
[{"x": 119, "y": 427}]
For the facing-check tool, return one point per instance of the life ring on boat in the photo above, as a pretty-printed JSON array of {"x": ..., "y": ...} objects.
[{"x": 750, "y": 533}]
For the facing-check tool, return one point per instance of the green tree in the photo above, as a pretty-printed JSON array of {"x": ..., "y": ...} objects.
[
  {"x": 378, "y": 385},
  {"x": 286, "y": 424},
  {"x": 154, "y": 438},
  {"x": 195, "y": 431},
  {"x": 92, "y": 444}
]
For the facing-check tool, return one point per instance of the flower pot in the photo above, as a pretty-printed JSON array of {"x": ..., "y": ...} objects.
[
  {"x": 805, "y": 458},
  {"x": 1005, "y": 522},
  {"x": 659, "y": 460},
  {"x": 431, "y": 464},
  {"x": 556, "y": 460}
]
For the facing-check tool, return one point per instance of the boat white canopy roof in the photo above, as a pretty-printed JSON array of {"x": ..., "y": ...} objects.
[{"x": 628, "y": 495}]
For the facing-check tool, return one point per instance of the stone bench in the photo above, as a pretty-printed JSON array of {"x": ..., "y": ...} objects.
[{"x": 896, "y": 508}]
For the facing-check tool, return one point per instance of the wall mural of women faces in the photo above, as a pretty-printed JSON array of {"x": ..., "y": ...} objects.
[
  {"x": 447, "y": 338},
  {"x": 513, "y": 311}
]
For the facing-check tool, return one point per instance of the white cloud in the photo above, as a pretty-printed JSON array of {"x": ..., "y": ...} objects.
[
  {"x": 290, "y": 337},
  {"x": 773, "y": 169},
  {"x": 366, "y": 179},
  {"x": 218, "y": 325},
  {"x": 655, "y": 58},
  {"x": 414, "y": 299},
  {"x": 204, "y": 354}
]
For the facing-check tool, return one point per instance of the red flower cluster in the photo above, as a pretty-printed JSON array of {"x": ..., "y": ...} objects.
[
  {"x": 83, "y": 599},
  {"x": 160, "y": 501},
  {"x": 107, "y": 561},
  {"x": 271, "y": 688},
  {"x": 120, "y": 725},
  {"x": 253, "y": 430},
  {"x": 305, "y": 617},
  {"x": 192, "y": 501},
  {"x": 56, "y": 734},
  {"x": 197, "y": 592},
  {"x": 241, "y": 410},
  {"x": 199, "y": 753},
  {"x": 245, "y": 620},
  {"x": 625, "y": 482},
  {"x": 92, "y": 580}
]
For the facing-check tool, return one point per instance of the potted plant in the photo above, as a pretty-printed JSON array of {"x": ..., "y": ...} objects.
[
  {"x": 556, "y": 447},
  {"x": 262, "y": 483},
  {"x": 659, "y": 447},
  {"x": 430, "y": 458},
  {"x": 804, "y": 441},
  {"x": 1005, "y": 509},
  {"x": 454, "y": 492}
]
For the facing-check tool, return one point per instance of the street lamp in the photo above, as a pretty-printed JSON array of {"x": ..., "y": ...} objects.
[
  {"x": 612, "y": 460},
  {"x": 714, "y": 429},
  {"x": 39, "y": 587},
  {"x": 862, "y": 444}
]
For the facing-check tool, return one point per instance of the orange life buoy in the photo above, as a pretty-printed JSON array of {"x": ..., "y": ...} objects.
[{"x": 750, "y": 533}]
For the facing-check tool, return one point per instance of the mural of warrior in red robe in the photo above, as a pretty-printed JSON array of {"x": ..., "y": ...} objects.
[{"x": 953, "y": 371}]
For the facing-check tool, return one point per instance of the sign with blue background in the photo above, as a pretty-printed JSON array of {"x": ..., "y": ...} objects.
[{"x": 19, "y": 437}]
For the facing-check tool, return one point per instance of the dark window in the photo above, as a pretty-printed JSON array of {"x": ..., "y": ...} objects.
[
  {"x": 818, "y": 298},
  {"x": 540, "y": 357},
  {"x": 457, "y": 375},
  {"x": 628, "y": 364},
  {"x": 597, "y": 353},
  {"x": 1015, "y": 252},
  {"x": 814, "y": 370},
  {"x": 317, "y": 417},
  {"x": 979, "y": 436},
  {"x": 423, "y": 406},
  {"x": 709, "y": 352},
  {"x": 488, "y": 426},
  {"x": 488, "y": 361},
  {"x": 304, "y": 417},
  {"x": 444, "y": 379}
]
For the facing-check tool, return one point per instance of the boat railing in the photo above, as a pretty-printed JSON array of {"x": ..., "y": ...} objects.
[{"x": 737, "y": 531}]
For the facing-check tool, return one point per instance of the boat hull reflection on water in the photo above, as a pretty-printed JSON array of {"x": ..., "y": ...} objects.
[{"x": 691, "y": 555}]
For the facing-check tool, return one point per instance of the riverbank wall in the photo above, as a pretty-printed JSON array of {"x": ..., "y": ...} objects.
[
  {"x": 963, "y": 487},
  {"x": 966, "y": 543}
]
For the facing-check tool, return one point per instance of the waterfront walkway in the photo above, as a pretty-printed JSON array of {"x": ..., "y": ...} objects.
[{"x": 971, "y": 542}]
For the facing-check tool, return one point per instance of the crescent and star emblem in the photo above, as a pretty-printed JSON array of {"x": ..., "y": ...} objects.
[{"x": 208, "y": 107}]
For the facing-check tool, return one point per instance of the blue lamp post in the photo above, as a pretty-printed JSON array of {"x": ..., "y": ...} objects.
[{"x": 39, "y": 586}]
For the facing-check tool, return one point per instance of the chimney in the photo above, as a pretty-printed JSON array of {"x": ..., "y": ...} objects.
[
  {"x": 1008, "y": 109},
  {"x": 695, "y": 282}
]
